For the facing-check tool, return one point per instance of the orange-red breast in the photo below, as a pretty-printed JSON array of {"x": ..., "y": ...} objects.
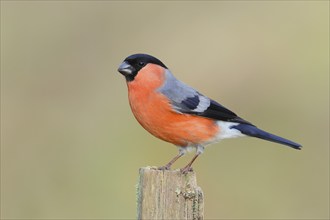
[{"x": 177, "y": 113}]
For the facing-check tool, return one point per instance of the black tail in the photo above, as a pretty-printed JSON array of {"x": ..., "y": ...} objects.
[{"x": 253, "y": 131}]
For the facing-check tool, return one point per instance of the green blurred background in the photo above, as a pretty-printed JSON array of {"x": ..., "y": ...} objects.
[{"x": 71, "y": 148}]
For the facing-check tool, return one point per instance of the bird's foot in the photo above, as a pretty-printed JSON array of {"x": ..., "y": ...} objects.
[
  {"x": 166, "y": 167},
  {"x": 186, "y": 169}
]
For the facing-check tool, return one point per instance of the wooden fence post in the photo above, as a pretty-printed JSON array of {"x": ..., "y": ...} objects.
[{"x": 168, "y": 195}]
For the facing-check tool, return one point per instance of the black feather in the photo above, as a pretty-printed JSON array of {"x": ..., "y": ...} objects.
[
  {"x": 253, "y": 131},
  {"x": 191, "y": 102},
  {"x": 219, "y": 112}
]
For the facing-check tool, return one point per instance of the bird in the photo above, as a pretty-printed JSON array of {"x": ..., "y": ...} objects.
[{"x": 177, "y": 113}]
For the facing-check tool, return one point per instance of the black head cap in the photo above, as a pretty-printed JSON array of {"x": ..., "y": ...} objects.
[{"x": 132, "y": 64}]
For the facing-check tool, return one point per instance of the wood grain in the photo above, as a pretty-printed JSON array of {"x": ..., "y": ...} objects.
[{"x": 164, "y": 194}]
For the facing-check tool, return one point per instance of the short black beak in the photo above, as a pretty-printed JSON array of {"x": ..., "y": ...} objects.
[{"x": 126, "y": 69}]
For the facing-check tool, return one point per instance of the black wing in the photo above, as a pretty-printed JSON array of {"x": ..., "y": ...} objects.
[{"x": 214, "y": 110}]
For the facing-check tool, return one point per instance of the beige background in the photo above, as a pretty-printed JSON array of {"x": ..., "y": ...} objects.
[{"x": 70, "y": 147}]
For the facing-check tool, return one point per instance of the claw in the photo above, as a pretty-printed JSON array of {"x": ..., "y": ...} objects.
[
  {"x": 164, "y": 168},
  {"x": 186, "y": 170}
]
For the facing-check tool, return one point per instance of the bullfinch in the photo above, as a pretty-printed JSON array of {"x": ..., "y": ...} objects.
[{"x": 177, "y": 113}]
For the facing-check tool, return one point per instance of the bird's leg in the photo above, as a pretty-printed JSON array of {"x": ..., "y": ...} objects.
[
  {"x": 187, "y": 168},
  {"x": 169, "y": 164}
]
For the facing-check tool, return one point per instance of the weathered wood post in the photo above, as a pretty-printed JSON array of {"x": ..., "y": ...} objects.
[{"x": 165, "y": 194}]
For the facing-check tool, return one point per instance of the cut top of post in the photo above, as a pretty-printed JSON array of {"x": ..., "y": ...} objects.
[{"x": 165, "y": 194}]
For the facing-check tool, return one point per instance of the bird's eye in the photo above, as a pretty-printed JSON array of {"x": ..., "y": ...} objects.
[{"x": 142, "y": 64}]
